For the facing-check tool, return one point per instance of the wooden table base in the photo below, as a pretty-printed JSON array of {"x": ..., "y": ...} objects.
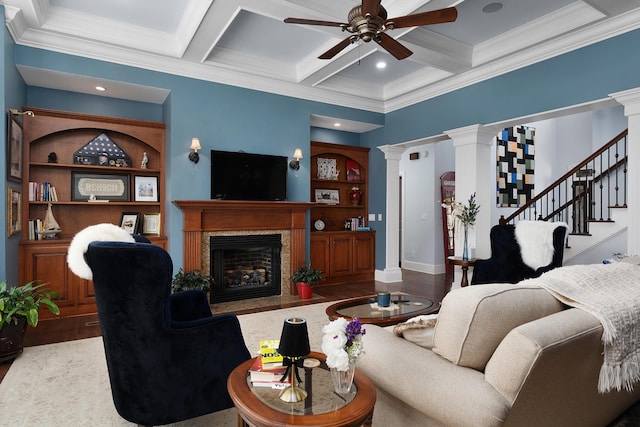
[{"x": 464, "y": 265}]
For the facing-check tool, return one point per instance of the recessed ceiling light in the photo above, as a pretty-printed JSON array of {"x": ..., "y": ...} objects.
[
  {"x": 492, "y": 7},
  {"x": 337, "y": 124},
  {"x": 381, "y": 65},
  {"x": 101, "y": 88}
]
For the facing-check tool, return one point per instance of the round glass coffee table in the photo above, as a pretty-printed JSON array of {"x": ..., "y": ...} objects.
[
  {"x": 261, "y": 406},
  {"x": 403, "y": 307}
]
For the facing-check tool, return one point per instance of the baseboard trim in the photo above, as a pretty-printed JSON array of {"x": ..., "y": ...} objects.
[{"x": 424, "y": 268}]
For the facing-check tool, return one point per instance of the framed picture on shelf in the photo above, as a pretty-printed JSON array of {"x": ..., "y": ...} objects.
[
  {"x": 96, "y": 186},
  {"x": 327, "y": 169},
  {"x": 145, "y": 189},
  {"x": 328, "y": 197},
  {"x": 14, "y": 211},
  {"x": 130, "y": 222},
  {"x": 353, "y": 171},
  {"x": 14, "y": 149},
  {"x": 151, "y": 224}
]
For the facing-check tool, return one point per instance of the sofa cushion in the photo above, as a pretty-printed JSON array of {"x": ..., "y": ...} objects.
[
  {"x": 474, "y": 320},
  {"x": 418, "y": 330}
]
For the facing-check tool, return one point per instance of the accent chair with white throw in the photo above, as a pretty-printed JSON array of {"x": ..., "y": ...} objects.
[
  {"x": 521, "y": 251},
  {"x": 168, "y": 356}
]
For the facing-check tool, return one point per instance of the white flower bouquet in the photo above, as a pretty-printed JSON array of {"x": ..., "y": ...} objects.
[{"x": 342, "y": 342}]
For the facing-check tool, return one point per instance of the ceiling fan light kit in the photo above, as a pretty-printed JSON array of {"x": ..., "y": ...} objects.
[{"x": 369, "y": 22}]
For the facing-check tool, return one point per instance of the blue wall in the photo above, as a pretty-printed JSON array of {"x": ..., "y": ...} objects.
[
  {"x": 231, "y": 118},
  {"x": 223, "y": 117},
  {"x": 13, "y": 96},
  {"x": 93, "y": 104},
  {"x": 334, "y": 136},
  {"x": 587, "y": 74}
]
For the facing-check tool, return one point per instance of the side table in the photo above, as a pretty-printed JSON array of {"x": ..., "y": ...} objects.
[
  {"x": 261, "y": 407},
  {"x": 464, "y": 265}
]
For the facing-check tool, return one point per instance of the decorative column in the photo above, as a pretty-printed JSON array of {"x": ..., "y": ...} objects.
[
  {"x": 475, "y": 167},
  {"x": 630, "y": 99},
  {"x": 392, "y": 271}
]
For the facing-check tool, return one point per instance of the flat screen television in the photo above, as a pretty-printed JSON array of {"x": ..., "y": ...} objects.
[{"x": 248, "y": 176}]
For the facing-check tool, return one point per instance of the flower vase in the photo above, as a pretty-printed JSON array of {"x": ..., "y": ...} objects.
[
  {"x": 465, "y": 247},
  {"x": 342, "y": 380}
]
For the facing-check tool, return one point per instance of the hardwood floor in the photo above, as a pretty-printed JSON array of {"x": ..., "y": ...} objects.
[{"x": 429, "y": 286}]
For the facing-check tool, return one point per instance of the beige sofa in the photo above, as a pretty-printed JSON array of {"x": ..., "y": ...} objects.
[{"x": 499, "y": 355}]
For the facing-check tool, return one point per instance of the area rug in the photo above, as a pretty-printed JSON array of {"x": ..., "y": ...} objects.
[{"x": 67, "y": 383}]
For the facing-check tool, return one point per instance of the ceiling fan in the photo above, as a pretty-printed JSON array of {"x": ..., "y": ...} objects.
[{"x": 369, "y": 22}]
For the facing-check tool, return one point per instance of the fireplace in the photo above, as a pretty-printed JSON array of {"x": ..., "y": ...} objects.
[
  {"x": 207, "y": 218},
  {"x": 245, "y": 266}
]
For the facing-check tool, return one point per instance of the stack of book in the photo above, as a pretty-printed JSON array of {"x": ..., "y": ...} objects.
[
  {"x": 35, "y": 226},
  {"x": 261, "y": 377},
  {"x": 357, "y": 224},
  {"x": 43, "y": 192},
  {"x": 267, "y": 369}
]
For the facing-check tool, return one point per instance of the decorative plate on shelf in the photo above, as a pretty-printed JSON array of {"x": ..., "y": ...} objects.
[{"x": 319, "y": 225}]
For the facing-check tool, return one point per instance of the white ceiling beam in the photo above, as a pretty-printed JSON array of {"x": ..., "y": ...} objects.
[{"x": 438, "y": 51}]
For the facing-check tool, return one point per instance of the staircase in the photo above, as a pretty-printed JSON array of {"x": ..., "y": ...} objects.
[{"x": 592, "y": 199}]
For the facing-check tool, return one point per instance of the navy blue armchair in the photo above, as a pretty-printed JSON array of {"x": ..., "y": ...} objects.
[
  {"x": 168, "y": 357},
  {"x": 506, "y": 264}
]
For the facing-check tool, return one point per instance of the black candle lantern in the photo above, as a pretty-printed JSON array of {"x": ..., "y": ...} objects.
[{"x": 294, "y": 346}]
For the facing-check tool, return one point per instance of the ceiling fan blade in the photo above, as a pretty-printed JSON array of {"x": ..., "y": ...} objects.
[
  {"x": 336, "y": 49},
  {"x": 439, "y": 16},
  {"x": 370, "y": 6},
  {"x": 313, "y": 22},
  {"x": 393, "y": 46}
]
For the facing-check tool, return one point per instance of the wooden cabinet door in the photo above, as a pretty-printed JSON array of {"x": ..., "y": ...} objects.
[
  {"x": 84, "y": 289},
  {"x": 341, "y": 255},
  {"x": 319, "y": 247},
  {"x": 47, "y": 263},
  {"x": 364, "y": 253}
]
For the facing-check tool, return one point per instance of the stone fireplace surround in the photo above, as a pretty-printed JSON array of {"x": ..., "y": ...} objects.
[{"x": 204, "y": 218}]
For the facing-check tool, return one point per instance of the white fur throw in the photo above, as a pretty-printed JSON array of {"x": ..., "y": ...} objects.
[
  {"x": 80, "y": 244},
  {"x": 611, "y": 293},
  {"x": 536, "y": 241}
]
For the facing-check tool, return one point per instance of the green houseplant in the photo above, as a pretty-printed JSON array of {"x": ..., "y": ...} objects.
[
  {"x": 304, "y": 278},
  {"x": 191, "y": 280},
  {"x": 19, "y": 307}
]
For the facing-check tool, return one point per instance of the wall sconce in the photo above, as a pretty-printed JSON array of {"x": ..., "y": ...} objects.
[
  {"x": 195, "y": 146},
  {"x": 297, "y": 155},
  {"x": 21, "y": 113}
]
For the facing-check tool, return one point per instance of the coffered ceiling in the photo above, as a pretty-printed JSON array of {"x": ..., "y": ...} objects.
[{"x": 246, "y": 43}]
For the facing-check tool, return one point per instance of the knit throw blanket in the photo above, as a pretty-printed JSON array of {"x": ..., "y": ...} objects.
[{"x": 611, "y": 293}]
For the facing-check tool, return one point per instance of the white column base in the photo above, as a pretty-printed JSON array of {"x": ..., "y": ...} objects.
[{"x": 389, "y": 275}]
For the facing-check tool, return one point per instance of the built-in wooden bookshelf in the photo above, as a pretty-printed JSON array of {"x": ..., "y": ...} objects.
[
  {"x": 344, "y": 254},
  {"x": 64, "y": 133}
]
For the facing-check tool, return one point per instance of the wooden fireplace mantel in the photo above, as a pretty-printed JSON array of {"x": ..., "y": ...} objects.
[{"x": 201, "y": 216}]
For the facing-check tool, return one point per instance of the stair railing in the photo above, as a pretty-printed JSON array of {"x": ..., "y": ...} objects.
[{"x": 586, "y": 193}]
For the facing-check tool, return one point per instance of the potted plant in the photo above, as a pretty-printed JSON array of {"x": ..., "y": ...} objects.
[
  {"x": 191, "y": 280},
  {"x": 304, "y": 278},
  {"x": 19, "y": 307}
]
